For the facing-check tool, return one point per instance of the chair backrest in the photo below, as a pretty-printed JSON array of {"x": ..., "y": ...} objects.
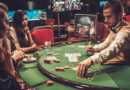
[
  {"x": 41, "y": 35},
  {"x": 50, "y": 21},
  {"x": 127, "y": 18}
]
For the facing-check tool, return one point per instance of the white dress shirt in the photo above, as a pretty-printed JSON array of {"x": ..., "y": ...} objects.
[{"x": 107, "y": 52}]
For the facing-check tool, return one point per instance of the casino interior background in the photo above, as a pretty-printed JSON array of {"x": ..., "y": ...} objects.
[
  {"x": 38, "y": 11},
  {"x": 63, "y": 23}
]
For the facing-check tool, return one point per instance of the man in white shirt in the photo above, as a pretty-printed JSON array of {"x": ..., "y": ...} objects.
[{"x": 116, "y": 46}]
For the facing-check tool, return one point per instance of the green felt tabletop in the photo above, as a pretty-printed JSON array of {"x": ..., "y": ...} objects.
[
  {"x": 113, "y": 76},
  {"x": 56, "y": 86},
  {"x": 31, "y": 75}
]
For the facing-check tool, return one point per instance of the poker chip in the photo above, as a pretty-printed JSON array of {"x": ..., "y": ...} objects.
[
  {"x": 59, "y": 69},
  {"x": 57, "y": 61},
  {"x": 47, "y": 61},
  {"x": 66, "y": 67},
  {"x": 49, "y": 82},
  {"x": 37, "y": 53}
]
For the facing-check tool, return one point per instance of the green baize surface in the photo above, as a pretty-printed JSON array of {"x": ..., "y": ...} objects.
[{"x": 115, "y": 76}]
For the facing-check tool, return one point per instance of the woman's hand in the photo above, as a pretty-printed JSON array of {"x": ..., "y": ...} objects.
[
  {"x": 18, "y": 54},
  {"x": 26, "y": 29}
]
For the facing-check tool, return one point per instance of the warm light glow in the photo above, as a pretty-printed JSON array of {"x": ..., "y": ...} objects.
[{"x": 30, "y": 5}]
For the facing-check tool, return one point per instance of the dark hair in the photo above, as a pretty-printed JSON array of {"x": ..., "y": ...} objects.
[
  {"x": 115, "y": 6},
  {"x": 18, "y": 17},
  {"x": 3, "y": 6},
  {"x": 3, "y": 10},
  {"x": 2, "y": 26}
]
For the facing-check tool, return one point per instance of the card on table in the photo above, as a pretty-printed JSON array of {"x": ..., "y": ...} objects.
[
  {"x": 81, "y": 46},
  {"x": 75, "y": 68},
  {"x": 72, "y": 56},
  {"x": 52, "y": 58},
  {"x": 73, "y": 59}
]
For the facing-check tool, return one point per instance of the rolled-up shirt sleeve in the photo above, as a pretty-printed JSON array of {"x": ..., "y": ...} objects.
[
  {"x": 122, "y": 40},
  {"x": 103, "y": 45}
]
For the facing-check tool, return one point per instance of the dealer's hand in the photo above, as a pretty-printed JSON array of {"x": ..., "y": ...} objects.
[
  {"x": 83, "y": 67},
  {"x": 89, "y": 48}
]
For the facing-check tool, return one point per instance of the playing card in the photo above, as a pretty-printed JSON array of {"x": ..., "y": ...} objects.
[
  {"x": 73, "y": 59},
  {"x": 75, "y": 68},
  {"x": 52, "y": 58},
  {"x": 81, "y": 46}
]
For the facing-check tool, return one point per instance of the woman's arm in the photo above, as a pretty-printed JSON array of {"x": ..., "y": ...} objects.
[{"x": 32, "y": 44}]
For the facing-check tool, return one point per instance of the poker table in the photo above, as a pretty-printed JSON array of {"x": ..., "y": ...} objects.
[{"x": 99, "y": 77}]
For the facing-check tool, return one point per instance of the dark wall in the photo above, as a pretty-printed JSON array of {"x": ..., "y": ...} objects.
[
  {"x": 89, "y": 7},
  {"x": 42, "y": 4},
  {"x": 23, "y": 4}
]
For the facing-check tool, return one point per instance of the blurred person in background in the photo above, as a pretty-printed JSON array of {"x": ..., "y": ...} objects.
[{"x": 20, "y": 36}]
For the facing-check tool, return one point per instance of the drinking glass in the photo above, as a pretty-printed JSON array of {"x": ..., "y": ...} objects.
[{"x": 48, "y": 45}]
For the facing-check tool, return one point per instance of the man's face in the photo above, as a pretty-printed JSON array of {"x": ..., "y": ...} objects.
[
  {"x": 86, "y": 28},
  {"x": 110, "y": 18}
]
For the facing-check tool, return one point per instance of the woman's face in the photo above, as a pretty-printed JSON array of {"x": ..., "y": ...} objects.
[{"x": 25, "y": 21}]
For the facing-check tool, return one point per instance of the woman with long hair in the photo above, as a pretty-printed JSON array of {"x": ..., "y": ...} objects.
[
  {"x": 22, "y": 32},
  {"x": 5, "y": 50}
]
